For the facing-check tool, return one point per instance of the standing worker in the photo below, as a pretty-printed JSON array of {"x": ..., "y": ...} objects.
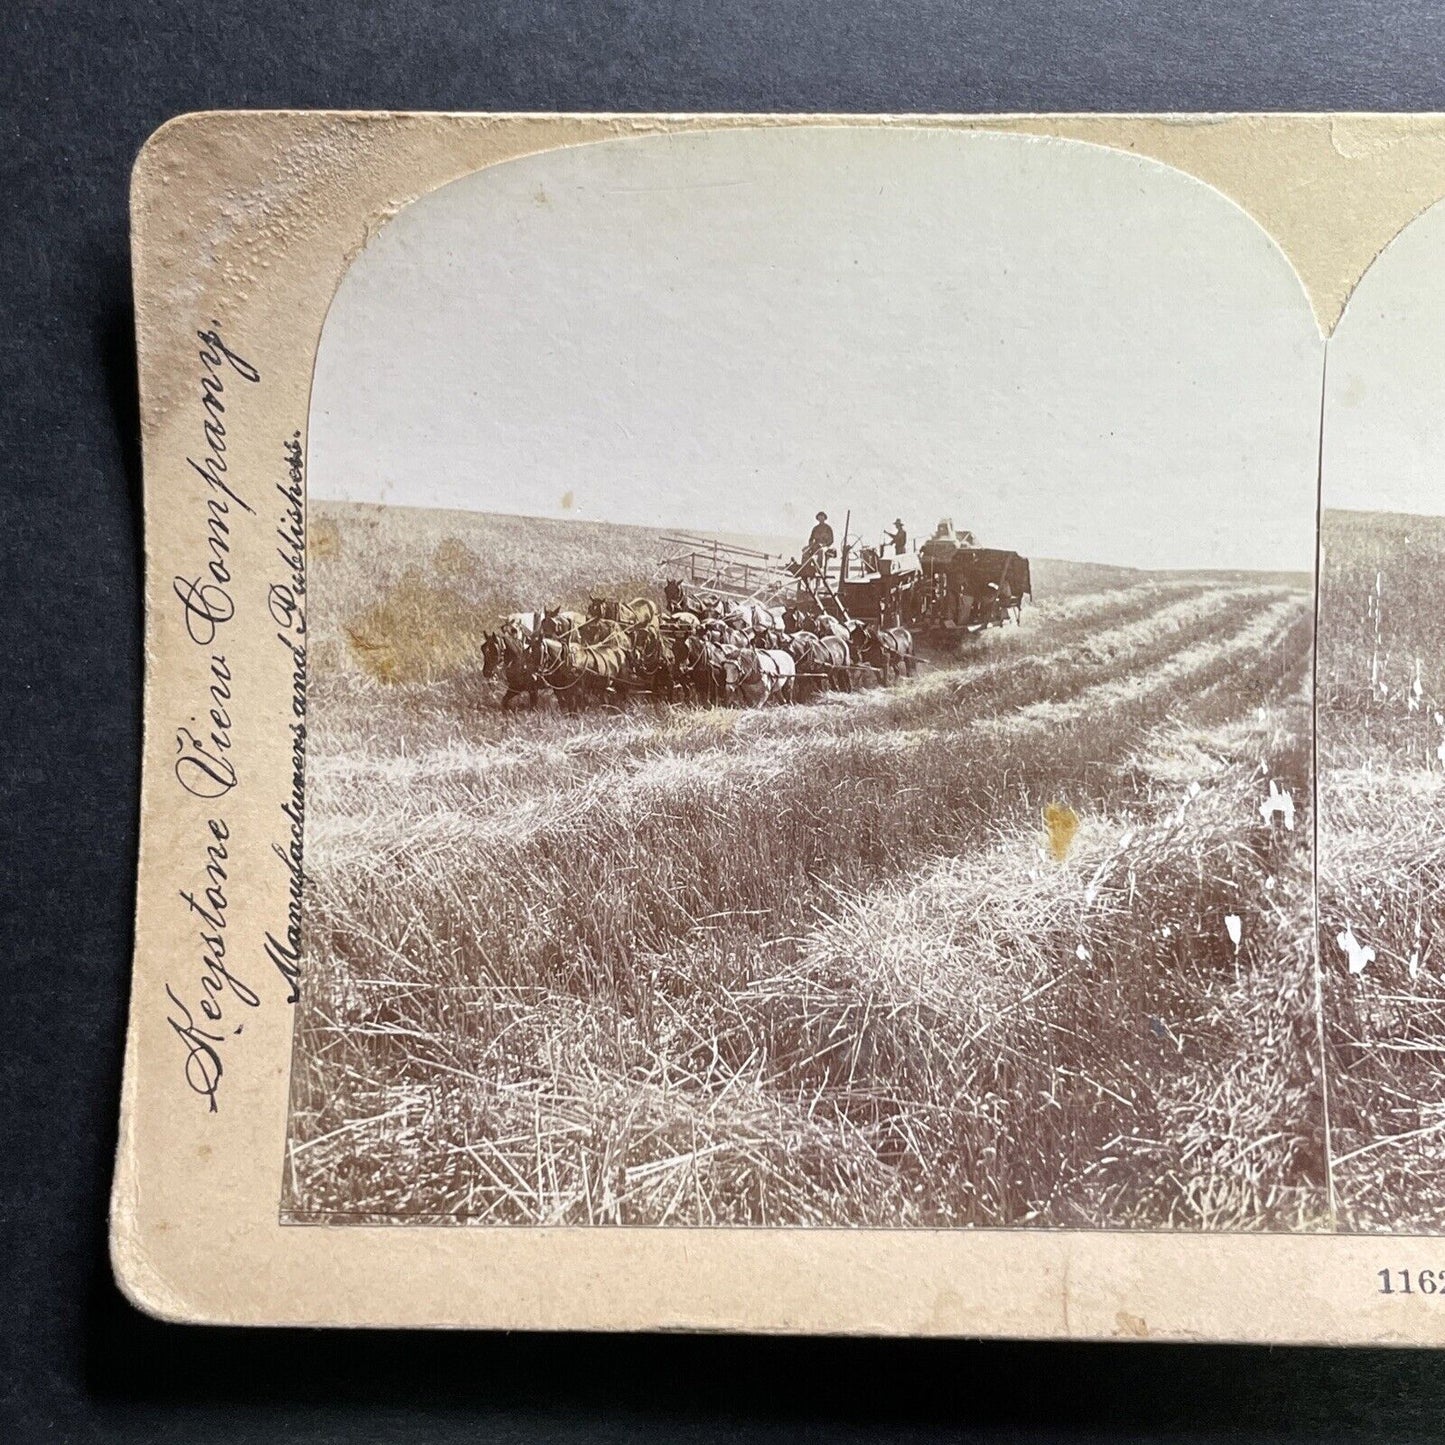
[{"x": 898, "y": 536}]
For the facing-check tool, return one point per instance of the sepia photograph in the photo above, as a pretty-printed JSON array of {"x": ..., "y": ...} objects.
[
  {"x": 1381, "y": 739},
  {"x": 810, "y": 698}
]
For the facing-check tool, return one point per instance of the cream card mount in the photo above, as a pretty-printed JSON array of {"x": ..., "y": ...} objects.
[{"x": 791, "y": 723}]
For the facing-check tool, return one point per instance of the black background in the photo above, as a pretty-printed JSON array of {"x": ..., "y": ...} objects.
[{"x": 83, "y": 85}]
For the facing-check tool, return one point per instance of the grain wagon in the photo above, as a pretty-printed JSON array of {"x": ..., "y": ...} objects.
[{"x": 967, "y": 588}]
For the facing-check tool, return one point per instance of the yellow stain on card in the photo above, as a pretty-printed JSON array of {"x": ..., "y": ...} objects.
[
  {"x": 323, "y": 539},
  {"x": 1062, "y": 824}
]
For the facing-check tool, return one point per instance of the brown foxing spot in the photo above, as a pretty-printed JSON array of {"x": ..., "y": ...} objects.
[{"x": 1061, "y": 824}]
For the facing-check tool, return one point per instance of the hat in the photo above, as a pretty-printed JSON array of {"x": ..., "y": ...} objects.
[
  {"x": 822, "y": 516},
  {"x": 898, "y": 521}
]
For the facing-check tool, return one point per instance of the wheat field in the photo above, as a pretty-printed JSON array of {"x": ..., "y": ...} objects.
[
  {"x": 1381, "y": 720},
  {"x": 819, "y": 964}
]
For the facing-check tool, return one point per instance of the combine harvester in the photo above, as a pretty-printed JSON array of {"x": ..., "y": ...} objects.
[
  {"x": 854, "y": 584},
  {"x": 948, "y": 586}
]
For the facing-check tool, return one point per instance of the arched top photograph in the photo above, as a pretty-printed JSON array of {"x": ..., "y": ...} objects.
[{"x": 809, "y": 691}]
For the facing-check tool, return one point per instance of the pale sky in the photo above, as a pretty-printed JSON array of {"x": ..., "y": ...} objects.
[
  {"x": 1385, "y": 425},
  {"x": 1072, "y": 351}
]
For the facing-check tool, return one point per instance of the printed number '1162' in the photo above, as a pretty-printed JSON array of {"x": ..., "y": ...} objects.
[{"x": 1411, "y": 1281}]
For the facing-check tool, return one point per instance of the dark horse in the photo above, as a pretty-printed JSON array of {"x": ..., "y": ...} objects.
[
  {"x": 582, "y": 672},
  {"x": 675, "y": 597},
  {"x": 888, "y": 650},
  {"x": 560, "y": 624},
  {"x": 653, "y": 663},
  {"x": 711, "y": 671},
  {"x": 521, "y": 663},
  {"x": 822, "y": 662}
]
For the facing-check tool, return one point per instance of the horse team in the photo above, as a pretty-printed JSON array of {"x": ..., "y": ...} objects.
[{"x": 704, "y": 649}]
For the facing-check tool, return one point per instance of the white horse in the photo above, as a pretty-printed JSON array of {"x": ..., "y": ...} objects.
[
  {"x": 753, "y": 616},
  {"x": 778, "y": 672}
]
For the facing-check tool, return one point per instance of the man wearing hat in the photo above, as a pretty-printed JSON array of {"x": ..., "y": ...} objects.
[
  {"x": 819, "y": 540},
  {"x": 898, "y": 536}
]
